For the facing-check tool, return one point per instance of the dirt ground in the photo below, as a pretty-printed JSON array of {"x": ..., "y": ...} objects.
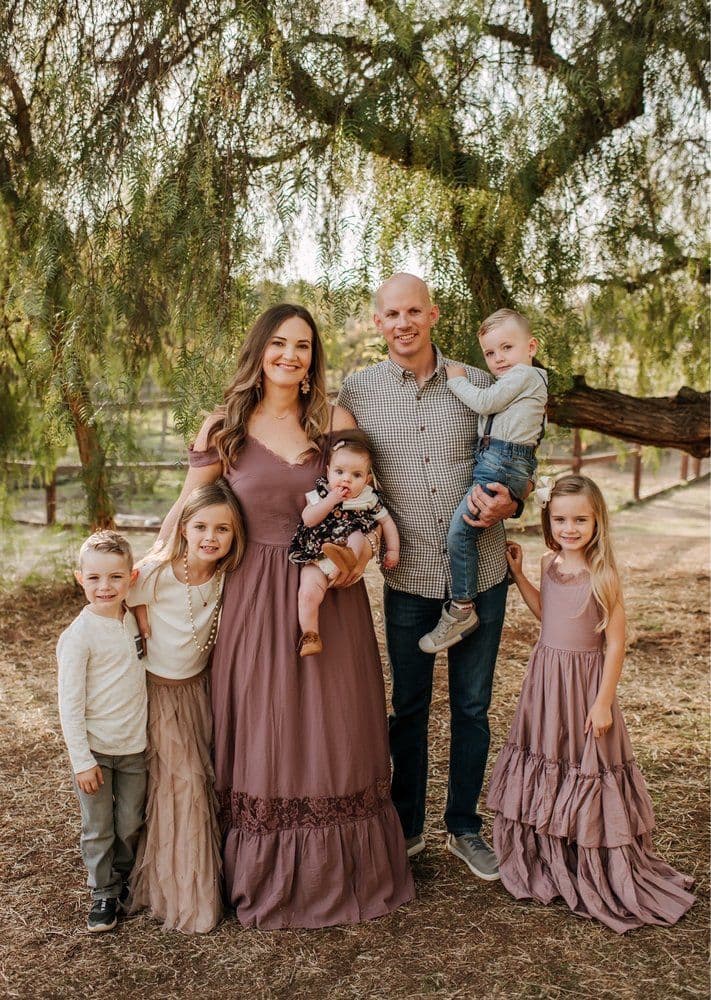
[{"x": 462, "y": 937}]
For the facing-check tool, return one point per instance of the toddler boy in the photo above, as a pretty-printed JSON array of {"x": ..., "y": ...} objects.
[
  {"x": 511, "y": 425},
  {"x": 102, "y": 707}
]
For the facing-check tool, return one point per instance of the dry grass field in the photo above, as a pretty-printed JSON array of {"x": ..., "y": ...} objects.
[{"x": 461, "y": 938}]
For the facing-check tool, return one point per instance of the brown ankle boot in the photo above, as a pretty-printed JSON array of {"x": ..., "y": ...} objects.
[
  {"x": 309, "y": 644},
  {"x": 340, "y": 555}
]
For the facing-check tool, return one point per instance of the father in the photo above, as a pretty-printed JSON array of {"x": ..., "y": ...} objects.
[{"x": 424, "y": 440}]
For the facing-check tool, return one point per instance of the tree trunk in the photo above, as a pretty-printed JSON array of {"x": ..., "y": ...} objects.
[
  {"x": 75, "y": 393},
  {"x": 680, "y": 421}
]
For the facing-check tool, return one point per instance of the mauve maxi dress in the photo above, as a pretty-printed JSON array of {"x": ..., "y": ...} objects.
[
  {"x": 573, "y": 815},
  {"x": 311, "y": 837}
]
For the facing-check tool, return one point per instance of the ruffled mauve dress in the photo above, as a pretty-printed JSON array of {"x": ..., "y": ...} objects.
[
  {"x": 573, "y": 815},
  {"x": 311, "y": 837}
]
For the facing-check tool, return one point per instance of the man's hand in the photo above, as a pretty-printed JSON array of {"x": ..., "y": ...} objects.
[
  {"x": 90, "y": 781},
  {"x": 486, "y": 510}
]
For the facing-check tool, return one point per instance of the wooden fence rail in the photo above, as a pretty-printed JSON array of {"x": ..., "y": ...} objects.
[{"x": 575, "y": 462}]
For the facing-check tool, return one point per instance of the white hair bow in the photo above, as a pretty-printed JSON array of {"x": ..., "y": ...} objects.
[{"x": 543, "y": 490}]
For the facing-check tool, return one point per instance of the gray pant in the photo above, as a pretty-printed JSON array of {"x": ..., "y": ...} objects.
[{"x": 111, "y": 820}]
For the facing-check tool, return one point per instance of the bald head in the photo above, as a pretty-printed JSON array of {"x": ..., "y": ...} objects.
[
  {"x": 405, "y": 315},
  {"x": 402, "y": 284}
]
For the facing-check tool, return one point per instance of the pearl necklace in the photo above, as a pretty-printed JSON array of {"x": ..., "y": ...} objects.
[{"x": 191, "y": 615}]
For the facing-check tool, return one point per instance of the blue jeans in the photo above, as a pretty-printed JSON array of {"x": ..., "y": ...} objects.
[
  {"x": 512, "y": 465},
  {"x": 471, "y": 672}
]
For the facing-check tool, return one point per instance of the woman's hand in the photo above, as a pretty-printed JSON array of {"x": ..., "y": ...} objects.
[
  {"x": 599, "y": 719},
  {"x": 90, "y": 781},
  {"x": 364, "y": 551},
  {"x": 514, "y": 557}
]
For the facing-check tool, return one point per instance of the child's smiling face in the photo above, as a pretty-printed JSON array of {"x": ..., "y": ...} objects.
[
  {"x": 105, "y": 578},
  {"x": 349, "y": 471},
  {"x": 210, "y": 533},
  {"x": 506, "y": 345},
  {"x": 572, "y": 522}
]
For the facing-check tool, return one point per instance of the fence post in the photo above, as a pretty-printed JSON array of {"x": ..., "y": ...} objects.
[
  {"x": 577, "y": 452},
  {"x": 684, "y": 468},
  {"x": 50, "y": 499},
  {"x": 636, "y": 472},
  {"x": 696, "y": 468}
]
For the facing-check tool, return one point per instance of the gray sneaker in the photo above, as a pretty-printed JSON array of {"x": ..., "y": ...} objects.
[
  {"x": 448, "y": 631},
  {"x": 415, "y": 845},
  {"x": 476, "y": 854}
]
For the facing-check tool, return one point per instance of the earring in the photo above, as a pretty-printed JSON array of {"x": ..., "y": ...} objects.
[
  {"x": 258, "y": 384},
  {"x": 305, "y": 385}
]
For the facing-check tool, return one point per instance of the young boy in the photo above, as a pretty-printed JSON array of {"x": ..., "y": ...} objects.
[
  {"x": 511, "y": 425},
  {"x": 102, "y": 707}
]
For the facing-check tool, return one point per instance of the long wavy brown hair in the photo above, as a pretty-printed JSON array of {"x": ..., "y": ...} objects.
[
  {"x": 244, "y": 393},
  {"x": 600, "y": 559}
]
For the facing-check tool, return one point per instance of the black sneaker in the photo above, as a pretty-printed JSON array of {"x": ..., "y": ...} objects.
[
  {"x": 102, "y": 916},
  {"x": 124, "y": 897}
]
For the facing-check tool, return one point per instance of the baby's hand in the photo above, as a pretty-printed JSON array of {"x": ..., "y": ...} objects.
[
  {"x": 337, "y": 495},
  {"x": 599, "y": 718},
  {"x": 454, "y": 371},
  {"x": 90, "y": 781},
  {"x": 391, "y": 559},
  {"x": 514, "y": 557}
]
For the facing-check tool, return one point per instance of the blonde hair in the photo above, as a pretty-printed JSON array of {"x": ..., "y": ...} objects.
[
  {"x": 600, "y": 559},
  {"x": 244, "y": 393},
  {"x": 106, "y": 541},
  {"x": 207, "y": 495},
  {"x": 500, "y": 317}
]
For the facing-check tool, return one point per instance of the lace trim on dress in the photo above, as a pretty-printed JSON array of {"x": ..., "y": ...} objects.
[
  {"x": 255, "y": 815},
  {"x": 559, "y": 577}
]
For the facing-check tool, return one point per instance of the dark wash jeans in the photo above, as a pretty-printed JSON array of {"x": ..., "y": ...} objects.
[{"x": 471, "y": 672}]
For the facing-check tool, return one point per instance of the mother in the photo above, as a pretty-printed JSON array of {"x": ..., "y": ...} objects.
[{"x": 301, "y": 755}]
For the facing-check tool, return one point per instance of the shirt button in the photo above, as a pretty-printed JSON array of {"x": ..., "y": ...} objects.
[
  {"x": 440, "y": 520},
  {"x": 427, "y": 458},
  {"x": 422, "y": 428},
  {"x": 434, "y": 489}
]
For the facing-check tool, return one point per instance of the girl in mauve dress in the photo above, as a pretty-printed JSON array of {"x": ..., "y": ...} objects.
[{"x": 573, "y": 815}]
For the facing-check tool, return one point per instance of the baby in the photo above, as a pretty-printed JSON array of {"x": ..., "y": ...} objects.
[
  {"x": 511, "y": 425},
  {"x": 340, "y": 507}
]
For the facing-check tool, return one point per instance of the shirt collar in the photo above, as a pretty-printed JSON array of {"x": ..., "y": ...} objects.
[{"x": 402, "y": 373}]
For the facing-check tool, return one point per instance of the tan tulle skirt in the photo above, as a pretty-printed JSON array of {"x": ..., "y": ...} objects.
[{"x": 178, "y": 871}]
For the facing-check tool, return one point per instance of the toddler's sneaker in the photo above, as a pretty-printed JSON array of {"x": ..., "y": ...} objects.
[
  {"x": 102, "y": 916},
  {"x": 452, "y": 627}
]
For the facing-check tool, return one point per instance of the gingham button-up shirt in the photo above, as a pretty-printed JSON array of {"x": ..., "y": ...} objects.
[{"x": 424, "y": 440}]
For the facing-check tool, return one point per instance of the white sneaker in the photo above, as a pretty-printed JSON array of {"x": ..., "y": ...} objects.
[{"x": 448, "y": 631}]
